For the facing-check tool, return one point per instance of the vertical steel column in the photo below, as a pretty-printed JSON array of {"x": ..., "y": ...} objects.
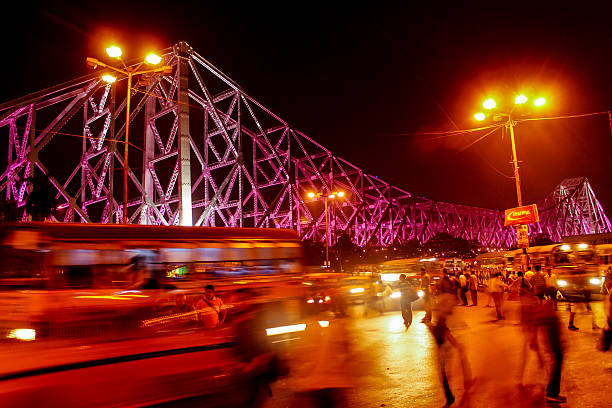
[
  {"x": 32, "y": 157},
  {"x": 184, "y": 149},
  {"x": 148, "y": 154},
  {"x": 241, "y": 167},
  {"x": 292, "y": 186},
  {"x": 113, "y": 151},
  {"x": 84, "y": 152}
]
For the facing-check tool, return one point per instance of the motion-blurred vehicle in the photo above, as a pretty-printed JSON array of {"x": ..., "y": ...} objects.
[
  {"x": 576, "y": 266},
  {"x": 356, "y": 289},
  {"x": 120, "y": 311}
]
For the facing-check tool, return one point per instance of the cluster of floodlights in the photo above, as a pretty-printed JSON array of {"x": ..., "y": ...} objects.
[{"x": 520, "y": 99}]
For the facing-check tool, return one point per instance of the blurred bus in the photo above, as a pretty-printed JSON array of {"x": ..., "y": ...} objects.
[
  {"x": 576, "y": 265},
  {"x": 489, "y": 263},
  {"x": 454, "y": 264},
  {"x": 391, "y": 270},
  {"x": 577, "y": 268},
  {"x": 123, "y": 306}
]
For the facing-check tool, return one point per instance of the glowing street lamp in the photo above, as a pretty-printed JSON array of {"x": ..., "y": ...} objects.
[
  {"x": 114, "y": 52},
  {"x": 151, "y": 59},
  {"x": 109, "y": 79},
  {"x": 326, "y": 197},
  {"x": 539, "y": 102},
  {"x": 518, "y": 100},
  {"x": 489, "y": 104}
]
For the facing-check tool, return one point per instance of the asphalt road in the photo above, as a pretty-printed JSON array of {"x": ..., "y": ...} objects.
[{"x": 383, "y": 364}]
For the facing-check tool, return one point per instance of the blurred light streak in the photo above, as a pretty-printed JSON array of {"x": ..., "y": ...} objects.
[
  {"x": 22, "y": 334},
  {"x": 273, "y": 331}
]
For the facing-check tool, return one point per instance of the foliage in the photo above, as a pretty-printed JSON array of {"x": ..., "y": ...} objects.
[{"x": 41, "y": 202}]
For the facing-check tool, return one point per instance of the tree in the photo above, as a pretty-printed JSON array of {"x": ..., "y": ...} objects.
[
  {"x": 541, "y": 239},
  {"x": 8, "y": 210},
  {"x": 41, "y": 202}
]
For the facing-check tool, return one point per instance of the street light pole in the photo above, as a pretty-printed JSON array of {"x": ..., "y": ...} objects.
[
  {"x": 326, "y": 197},
  {"x": 489, "y": 104},
  {"x": 517, "y": 179},
  {"x": 129, "y": 72}
]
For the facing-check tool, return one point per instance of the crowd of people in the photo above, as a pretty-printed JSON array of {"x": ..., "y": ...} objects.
[{"x": 537, "y": 293}]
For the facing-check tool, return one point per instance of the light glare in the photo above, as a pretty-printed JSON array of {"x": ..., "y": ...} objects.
[
  {"x": 22, "y": 334},
  {"x": 273, "y": 331},
  {"x": 331, "y": 196},
  {"x": 520, "y": 99},
  {"x": 324, "y": 323},
  {"x": 341, "y": 194},
  {"x": 489, "y": 104},
  {"x": 108, "y": 78},
  {"x": 153, "y": 59},
  {"x": 479, "y": 116},
  {"x": 311, "y": 195},
  {"x": 539, "y": 101},
  {"x": 357, "y": 290},
  {"x": 113, "y": 51}
]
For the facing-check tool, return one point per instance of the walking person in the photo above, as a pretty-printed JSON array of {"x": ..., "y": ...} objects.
[
  {"x": 409, "y": 295},
  {"x": 550, "y": 323},
  {"x": 551, "y": 287},
  {"x": 538, "y": 282},
  {"x": 463, "y": 288},
  {"x": 488, "y": 278},
  {"x": 473, "y": 287},
  {"x": 426, "y": 288},
  {"x": 497, "y": 287},
  {"x": 445, "y": 341}
]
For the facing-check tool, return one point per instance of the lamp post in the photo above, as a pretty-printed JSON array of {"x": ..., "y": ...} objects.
[
  {"x": 519, "y": 102},
  {"x": 326, "y": 197},
  {"x": 129, "y": 72}
]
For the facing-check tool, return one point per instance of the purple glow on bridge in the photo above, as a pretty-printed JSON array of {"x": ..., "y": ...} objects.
[{"x": 203, "y": 152}]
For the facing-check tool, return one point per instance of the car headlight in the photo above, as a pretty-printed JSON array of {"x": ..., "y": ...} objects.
[
  {"x": 357, "y": 290},
  {"x": 420, "y": 293},
  {"x": 595, "y": 281},
  {"x": 396, "y": 295},
  {"x": 22, "y": 334},
  {"x": 561, "y": 283},
  {"x": 327, "y": 298}
]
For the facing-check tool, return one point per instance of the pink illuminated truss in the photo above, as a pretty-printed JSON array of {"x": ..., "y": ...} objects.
[{"x": 203, "y": 152}]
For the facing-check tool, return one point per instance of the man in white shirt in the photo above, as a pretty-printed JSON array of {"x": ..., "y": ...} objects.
[
  {"x": 551, "y": 287},
  {"x": 497, "y": 286}
]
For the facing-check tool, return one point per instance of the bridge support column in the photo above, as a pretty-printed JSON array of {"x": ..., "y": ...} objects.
[
  {"x": 184, "y": 149},
  {"x": 148, "y": 154}
]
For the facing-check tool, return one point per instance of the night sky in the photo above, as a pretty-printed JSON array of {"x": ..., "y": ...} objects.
[{"x": 367, "y": 82}]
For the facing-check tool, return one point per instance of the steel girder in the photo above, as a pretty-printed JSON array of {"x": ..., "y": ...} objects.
[
  {"x": 571, "y": 209},
  {"x": 204, "y": 152}
]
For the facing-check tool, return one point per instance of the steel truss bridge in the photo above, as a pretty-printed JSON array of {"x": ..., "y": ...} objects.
[{"x": 203, "y": 152}]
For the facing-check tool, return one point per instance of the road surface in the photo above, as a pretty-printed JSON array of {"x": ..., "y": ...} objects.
[{"x": 388, "y": 365}]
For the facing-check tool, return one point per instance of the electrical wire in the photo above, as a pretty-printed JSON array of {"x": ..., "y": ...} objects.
[
  {"x": 582, "y": 115},
  {"x": 84, "y": 137}
]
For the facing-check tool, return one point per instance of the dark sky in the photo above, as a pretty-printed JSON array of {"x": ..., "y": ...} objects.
[{"x": 362, "y": 81}]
